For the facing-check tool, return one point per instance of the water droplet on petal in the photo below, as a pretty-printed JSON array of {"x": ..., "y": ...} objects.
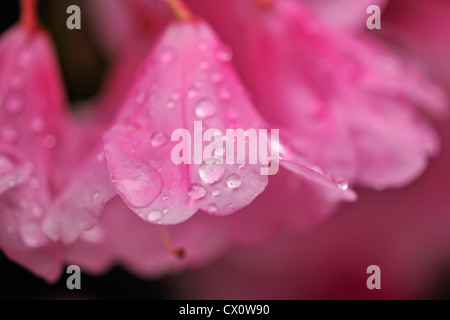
[
  {"x": 215, "y": 193},
  {"x": 224, "y": 94},
  {"x": 34, "y": 183},
  {"x": 165, "y": 196},
  {"x": 6, "y": 164},
  {"x": 341, "y": 182},
  {"x": 176, "y": 96},
  {"x": 217, "y": 77},
  {"x": 232, "y": 115},
  {"x": 170, "y": 105},
  {"x": 167, "y": 56},
  {"x": 205, "y": 109},
  {"x": 159, "y": 139},
  {"x": 36, "y": 210},
  {"x": 166, "y": 210},
  {"x": 96, "y": 197},
  {"x": 154, "y": 215},
  {"x": 37, "y": 124},
  {"x": 14, "y": 104},
  {"x": 211, "y": 173},
  {"x": 196, "y": 192},
  {"x": 140, "y": 97},
  {"x": 204, "y": 65},
  {"x": 16, "y": 82},
  {"x": 9, "y": 134},
  {"x": 234, "y": 181},
  {"x": 225, "y": 54},
  {"x": 192, "y": 93},
  {"x": 212, "y": 208},
  {"x": 49, "y": 142},
  {"x": 202, "y": 46},
  {"x": 24, "y": 60}
]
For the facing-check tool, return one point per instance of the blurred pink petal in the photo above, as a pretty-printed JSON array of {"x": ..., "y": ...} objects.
[
  {"x": 80, "y": 204},
  {"x": 172, "y": 92},
  {"x": 122, "y": 238},
  {"x": 31, "y": 118},
  {"x": 350, "y": 103},
  {"x": 347, "y": 15}
]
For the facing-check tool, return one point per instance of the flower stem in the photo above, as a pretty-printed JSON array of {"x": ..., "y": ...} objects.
[
  {"x": 29, "y": 15},
  {"x": 177, "y": 252},
  {"x": 180, "y": 10},
  {"x": 264, "y": 3}
]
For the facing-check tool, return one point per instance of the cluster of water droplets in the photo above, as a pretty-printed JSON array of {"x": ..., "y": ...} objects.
[{"x": 12, "y": 100}]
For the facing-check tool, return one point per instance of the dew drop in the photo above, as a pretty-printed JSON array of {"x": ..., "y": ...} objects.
[
  {"x": 204, "y": 65},
  {"x": 16, "y": 82},
  {"x": 100, "y": 156},
  {"x": 36, "y": 210},
  {"x": 24, "y": 60},
  {"x": 170, "y": 104},
  {"x": 154, "y": 215},
  {"x": 9, "y": 134},
  {"x": 140, "y": 97},
  {"x": 234, "y": 181},
  {"x": 341, "y": 182},
  {"x": 224, "y": 94},
  {"x": 211, "y": 173},
  {"x": 49, "y": 142},
  {"x": 225, "y": 54},
  {"x": 212, "y": 208},
  {"x": 232, "y": 114},
  {"x": 165, "y": 210},
  {"x": 192, "y": 93},
  {"x": 159, "y": 139},
  {"x": 96, "y": 196},
  {"x": 202, "y": 46},
  {"x": 217, "y": 77},
  {"x": 215, "y": 193},
  {"x": 37, "y": 124},
  {"x": 14, "y": 104},
  {"x": 167, "y": 56},
  {"x": 34, "y": 183},
  {"x": 205, "y": 109},
  {"x": 5, "y": 164},
  {"x": 165, "y": 195},
  {"x": 10, "y": 229},
  {"x": 196, "y": 192},
  {"x": 176, "y": 96}
]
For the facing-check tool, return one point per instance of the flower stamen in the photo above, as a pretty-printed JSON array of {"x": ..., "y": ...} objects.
[
  {"x": 180, "y": 10},
  {"x": 180, "y": 253},
  {"x": 29, "y": 16},
  {"x": 264, "y": 3}
]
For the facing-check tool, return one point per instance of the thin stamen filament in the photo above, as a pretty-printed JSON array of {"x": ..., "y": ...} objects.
[
  {"x": 177, "y": 252},
  {"x": 29, "y": 14},
  {"x": 180, "y": 10}
]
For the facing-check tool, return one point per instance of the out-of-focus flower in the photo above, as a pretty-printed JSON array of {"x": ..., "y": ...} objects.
[
  {"x": 32, "y": 121},
  {"x": 340, "y": 99},
  {"x": 405, "y": 232},
  {"x": 348, "y": 101},
  {"x": 186, "y": 79}
]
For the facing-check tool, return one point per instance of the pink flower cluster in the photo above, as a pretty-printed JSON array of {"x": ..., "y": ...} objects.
[{"x": 100, "y": 188}]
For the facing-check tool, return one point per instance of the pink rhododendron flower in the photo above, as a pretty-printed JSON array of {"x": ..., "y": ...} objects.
[
  {"x": 32, "y": 120},
  {"x": 186, "y": 79},
  {"x": 133, "y": 179},
  {"x": 346, "y": 92}
]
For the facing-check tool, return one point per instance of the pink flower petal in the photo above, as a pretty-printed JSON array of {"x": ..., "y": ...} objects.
[
  {"x": 31, "y": 117},
  {"x": 174, "y": 90},
  {"x": 79, "y": 206},
  {"x": 142, "y": 250}
]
